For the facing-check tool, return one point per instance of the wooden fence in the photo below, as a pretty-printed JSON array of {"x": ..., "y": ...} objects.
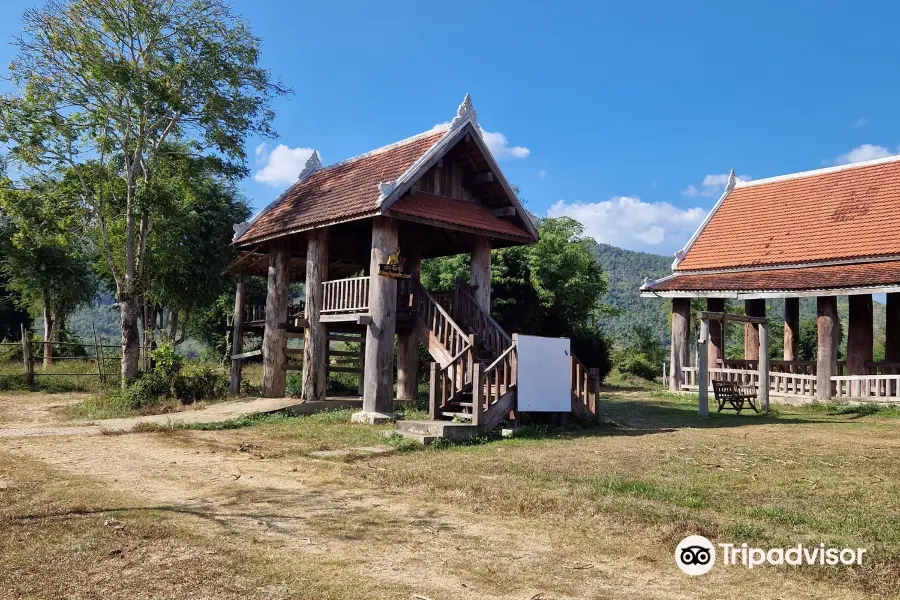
[{"x": 102, "y": 355}]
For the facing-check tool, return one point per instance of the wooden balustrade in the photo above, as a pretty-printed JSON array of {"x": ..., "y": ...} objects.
[
  {"x": 468, "y": 311},
  {"x": 584, "y": 383},
  {"x": 346, "y": 295},
  {"x": 448, "y": 382},
  {"x": 492, "y": 382},
  {"x": 439, "y": 322},
  {"x": 868, "y": 387},
  {"x": 256, "y": 313}
]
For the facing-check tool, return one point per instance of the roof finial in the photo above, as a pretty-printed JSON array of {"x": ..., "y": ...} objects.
[
  {"x": 466, "y": 111},
  {"x": 312, "y": 165},
  {"x": 732, "y": 180}
]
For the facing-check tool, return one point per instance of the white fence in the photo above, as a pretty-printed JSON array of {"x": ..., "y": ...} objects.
[
  {"x": 879, "y": 388},
  {"x": 346, "y": 295}
]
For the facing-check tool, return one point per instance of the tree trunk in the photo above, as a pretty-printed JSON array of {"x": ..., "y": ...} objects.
[
  {"x": 48, "y": 334},
  {"x": 131, "y": 350},
  {"x": 173, "y": 326}
]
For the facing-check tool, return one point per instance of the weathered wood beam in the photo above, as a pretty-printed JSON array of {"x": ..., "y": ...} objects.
[
  {"x": 892, "y": 328},
  {"x": 276, "y": 313},
  {"x": 506, "y": 211},
  {"x": 481, "y": 272},
  {"x": 378, "y": 395},
  {"x": 753, "y": 308},
  {"x": 487, "y": 177},
  {"x": 681, "y": 341},
  {"x": 791, "y": 329},
  {"x": 716, "y": 346},
  {"x": 237, "y": 338},
  {"x": 826, "y": 356},
  {"x": 242, "y": 355},
  {"x": 315, "y": 340},
  {"x": 721, "y": 316}
]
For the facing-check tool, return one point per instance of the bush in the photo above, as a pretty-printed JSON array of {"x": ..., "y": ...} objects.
[
  {"x": 146, "y": 390},
  {"x": 642, "y": 356},
  {"x": 293, "y": 387},
  {"x": 200, "y": 382}
]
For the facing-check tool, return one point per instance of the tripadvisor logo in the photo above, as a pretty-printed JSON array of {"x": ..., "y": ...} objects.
[{"x": 696, "y": 555}]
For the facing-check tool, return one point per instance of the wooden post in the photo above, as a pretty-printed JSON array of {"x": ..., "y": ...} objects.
[
  {"x": 315, "y": 336},
  {"x": 681, "y": 341},
  {"x": 378, "y": 395},
  {"x": 237, "y": 337},
  {"x": 753, "y": 308},
  {"x": 792, "y": 329},
  {"x": 362, "y": 364},
  {"x": 703, "y": 356},
  {"x": 408, "y": 341},
  {"x": 716, "y": 345},
  {"x": 477, "y": 393},
  {"x": 826, "y": 359},
  {"x": 892, "y": 328},
  {"x": 432, "y": 392},
  {"x": 764, "y": 366},
  {"x": 481, "y": 272},
  {"x": 27, "y": 359},
  {"x": 860, "y": 337},
  {"x": 595, "y": 389},
  {"x": 274, "y": 375}
]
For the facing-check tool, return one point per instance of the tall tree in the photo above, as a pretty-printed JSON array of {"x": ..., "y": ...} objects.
[
  {"x": 45, "y": 258},
  {"x": 113, "y": 81}
]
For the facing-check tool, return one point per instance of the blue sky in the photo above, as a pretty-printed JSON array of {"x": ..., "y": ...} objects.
[{"x": 626, "y": 116}]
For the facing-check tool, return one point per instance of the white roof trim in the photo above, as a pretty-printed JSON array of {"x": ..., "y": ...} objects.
[
  {"x": 823, "y": 171},
  {"x": 862, "y": 260},
  {"x": 758, "y": 294},
  {"x": 679, "y": 256}
]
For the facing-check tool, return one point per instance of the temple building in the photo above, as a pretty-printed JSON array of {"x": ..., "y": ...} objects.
[
  {"x": 818, "y": 234},
  {"x": 355, "y": 232}
]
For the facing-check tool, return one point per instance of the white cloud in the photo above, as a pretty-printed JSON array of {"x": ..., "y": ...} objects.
[
  {"x": 542, "y": 174},
  {"x": 631, "y": 223},
  {"x": 496, "y": 143},
  {"x": 861, "y": 153},
  {"x": 712, "y": 185},
  {"x": 281, "y": 166}
]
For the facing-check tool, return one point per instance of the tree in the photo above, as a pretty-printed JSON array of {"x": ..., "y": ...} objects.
[
  {"x": 46, "y": 260},
  {"x": 552, "y": 288},
  {"x": 113, "y": 81}
]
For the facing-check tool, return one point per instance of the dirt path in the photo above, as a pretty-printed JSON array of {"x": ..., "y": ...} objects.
[
  {"x": 32, "y": 415},
  {"x": 385, "y": 544}
]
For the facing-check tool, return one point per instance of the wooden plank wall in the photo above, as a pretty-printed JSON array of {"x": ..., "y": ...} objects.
[{"x": 445, "y": 179}]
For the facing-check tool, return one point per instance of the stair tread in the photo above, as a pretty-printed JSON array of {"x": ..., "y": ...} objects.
[{"x": 457, "y": 414}]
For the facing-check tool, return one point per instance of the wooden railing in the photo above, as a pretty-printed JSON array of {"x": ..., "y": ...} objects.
[
  {"x": 583, "y": 384},
  {"x": 440, "y": 323},
  {"x": 808, "y": 367},
  {"x": 467, "y": 310},
  {"x": 883, "y": 387},
  {"x": 491, "y": 383},
  {"x": 792, "y": 384},
  {"x": 256, "y": 313},
  {"x": 447, "y": 383},
  {"x": 346, "y": 295}
]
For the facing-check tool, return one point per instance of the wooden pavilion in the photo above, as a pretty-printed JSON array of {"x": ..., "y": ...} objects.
[
  {"x": 355, "y": 232},
  {"x": 821, "y": 234}
]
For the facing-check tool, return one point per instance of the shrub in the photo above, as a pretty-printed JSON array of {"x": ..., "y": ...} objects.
[
  {"x": 146, "y": 390},
  {"x": 293, "y": 387},
  {"x": 200, "y": 382}
]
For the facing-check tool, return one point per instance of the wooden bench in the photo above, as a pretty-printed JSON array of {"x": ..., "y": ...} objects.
[{"x": 729, "y": 392}]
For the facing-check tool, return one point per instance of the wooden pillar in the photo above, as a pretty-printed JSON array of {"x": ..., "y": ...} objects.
[
  {"x": 753, "y": 308},
  {"x": 680, "y": 342},
  {"x": 408, "y": 344},
  {"x": 792, "y": 329},
  {"x": 892, "y": 328},
  {"x": 315, "y": 335},
  {"x": 764, "y": 366},
  {"x": 826, "y": 358},
  {"x": 378, "y": 394},
  {"x": 716, "y": 344},
  {"x": 481, "y": 272},
  {"x": 703, "y": 375},
  {"x": 237, "y": 337},
  {"x": 860, "y": 336},
  {"x": 274, "y": 375}
]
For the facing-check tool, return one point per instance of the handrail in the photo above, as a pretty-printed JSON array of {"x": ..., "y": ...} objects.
[
  {"x": 583, "y": 383},
  {"x": 345, "y": 295},
  {"x": 440, "y": 323},
  {"x": 494, "y": 364},
  {"x": 491, "y": 383},
  {"x": 484, "y": 325}
]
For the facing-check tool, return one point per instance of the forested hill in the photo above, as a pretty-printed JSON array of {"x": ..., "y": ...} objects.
[{"x": 626, "y": 270}]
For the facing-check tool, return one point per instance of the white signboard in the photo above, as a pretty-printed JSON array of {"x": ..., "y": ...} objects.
[{"x": 543, "y": 374}]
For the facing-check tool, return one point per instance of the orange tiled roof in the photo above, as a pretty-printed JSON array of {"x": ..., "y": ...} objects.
[
  {"x": 844, "y": 276},
  {"x": 457, "y": 212},
  {"x": 343, "y": 191},
  {"x": 839, "y": 213}
]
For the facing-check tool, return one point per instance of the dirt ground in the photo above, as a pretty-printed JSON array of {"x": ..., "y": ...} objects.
[{"x": 249, "y": 513}]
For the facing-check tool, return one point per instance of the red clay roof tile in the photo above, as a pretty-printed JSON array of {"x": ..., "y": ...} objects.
[
  {"x": 456, "y": 212},
  {"x": 786, "y": 280},
  {"x": 841, "y": 213},
  {"x": 346, "y": 190}
]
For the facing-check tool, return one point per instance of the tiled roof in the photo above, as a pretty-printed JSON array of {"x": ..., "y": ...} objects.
[
  {"x": 830, "y": 214},
  {"x": 346, "y": 190},
  {"x": 785, "y": 280},
  {"x": 457, "y": 212}
]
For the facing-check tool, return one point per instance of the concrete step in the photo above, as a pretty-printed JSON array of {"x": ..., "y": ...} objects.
[
  {"x": 457, "y": 415},
  {"x": 422, "y": 438},
  {"x": 441, "y": 429}
]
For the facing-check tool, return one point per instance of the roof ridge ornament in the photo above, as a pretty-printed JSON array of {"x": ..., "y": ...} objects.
[
  {"x": 240, "y": 229},
  {"x": 312, "y": 165},
  {"x": 385, "y": 188},
  {"x": 465, "y": 111},
  {"x": 732, "y": 180}
]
